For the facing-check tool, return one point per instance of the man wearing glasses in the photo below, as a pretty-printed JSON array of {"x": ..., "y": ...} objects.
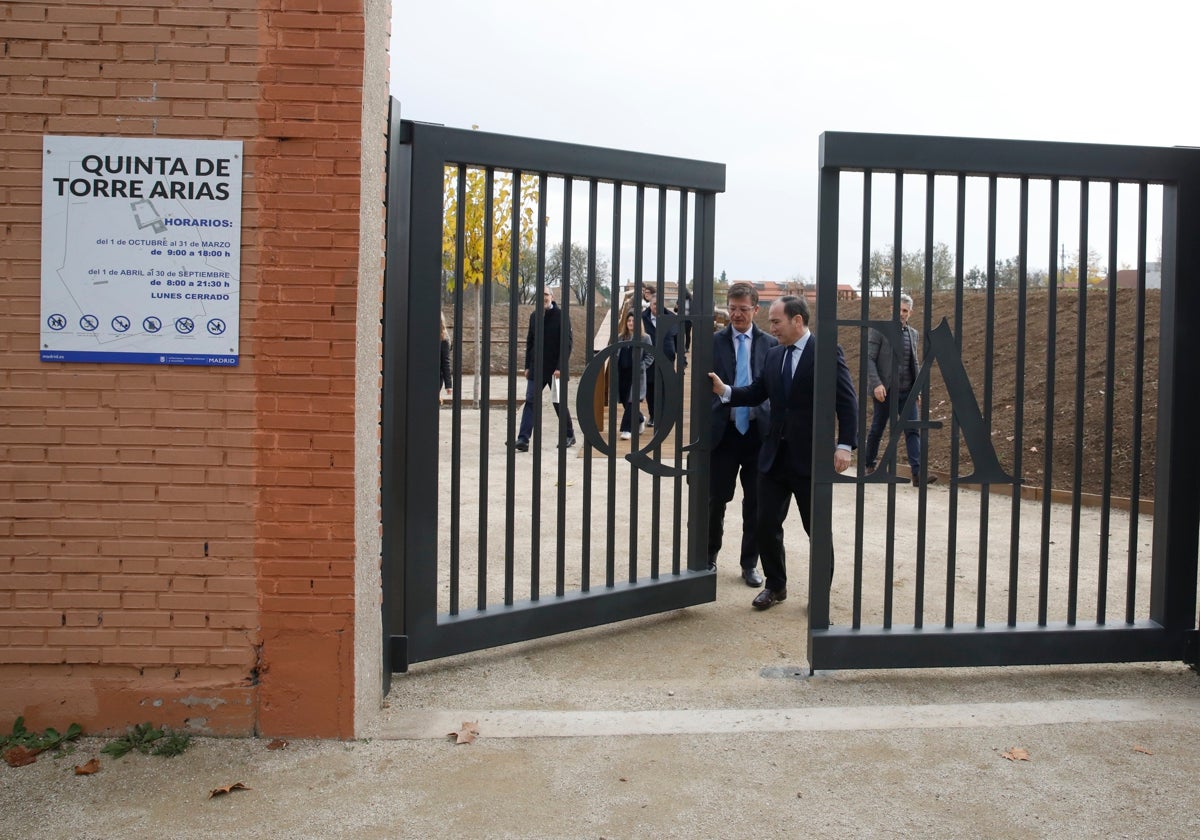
[{"x": 737, "y": 433}]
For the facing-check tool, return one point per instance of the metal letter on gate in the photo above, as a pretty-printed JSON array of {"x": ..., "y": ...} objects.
[
  {"x": 962, "y": 402},
  {"x": 668, "y": 411}
]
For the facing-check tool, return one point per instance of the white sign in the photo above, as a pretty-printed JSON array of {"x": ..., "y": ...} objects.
[{"x": 141, "y": 250}]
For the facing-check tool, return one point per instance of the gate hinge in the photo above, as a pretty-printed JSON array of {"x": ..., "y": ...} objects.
[{"x": 398, "y": 654}]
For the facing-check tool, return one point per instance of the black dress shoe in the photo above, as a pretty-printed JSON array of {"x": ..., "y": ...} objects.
[
  {"x": 568, "y": 442},
  {"x": 522, "y": 445},
  {"x": 769, "y": 598},
  {"x": 932, "y": 479},
  {"x": 752, "y": 577},
  {"x": 712, "y": 565}
]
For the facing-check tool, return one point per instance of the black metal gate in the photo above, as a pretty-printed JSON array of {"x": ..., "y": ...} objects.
[
  {"x": 487, "y": 543},
  {"x": 1054, "y": 224}
]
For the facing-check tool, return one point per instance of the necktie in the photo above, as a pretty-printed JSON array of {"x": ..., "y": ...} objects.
[
  {"x": 741, "y": 414},
  {"x": 787, "y": 370}
]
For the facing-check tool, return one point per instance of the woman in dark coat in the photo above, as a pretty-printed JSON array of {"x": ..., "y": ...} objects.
[{"x": 631, "y": 398}]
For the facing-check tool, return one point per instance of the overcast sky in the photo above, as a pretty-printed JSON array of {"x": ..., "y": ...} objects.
[{"x": 753, "y": 84}]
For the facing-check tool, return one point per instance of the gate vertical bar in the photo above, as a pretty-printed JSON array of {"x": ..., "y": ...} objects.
[
  {"x": 564, "y": 364},
  {"x": 923, "y": 472},
  {"x": 703, "y": 272},
  {"x": 1014, "y": 536},
  {"x": 537, "y": 373},
  {"x": 1110, "y": 357},
  {"x": 863, "y": 383},
  {"x": 680, "y": 350},
  {"x": 660, "y": 278},
  {"x": 588, "y": 352},
  {"x": 960, "y": 235},
  {"x": 893, "y": 407},
  {"x": 820, "y": 564},
  {"x": 510, "y": 452},
  {"x": 460, "y": 238},
  {"x": 1139, "y": 362},
  {"x": 985, "y": 496},
  {"x": 610, "y": 561},
  {"x": 483, "y": 332},
  {"x": 1080, "y": 367},
  {"x": 1048, "y": 438},
  {"x": 638, "y": 263}
]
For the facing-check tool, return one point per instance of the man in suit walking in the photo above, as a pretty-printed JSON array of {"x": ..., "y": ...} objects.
[
  {"x": 891, "y": 376},
  {"x": 650, "y": 328},
  {"x": 553, "y": 325},
  {"x": 785, "y": 459},
  {"x": 739, "y": 352}
]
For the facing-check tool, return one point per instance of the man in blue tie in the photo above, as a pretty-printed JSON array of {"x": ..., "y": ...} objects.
[
  {"x": 785, "y": 459},
  {"x": 739, "y": 351}
]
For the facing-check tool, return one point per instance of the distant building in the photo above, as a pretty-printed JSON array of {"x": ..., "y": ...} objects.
[{"x": 1127, "y": 277}]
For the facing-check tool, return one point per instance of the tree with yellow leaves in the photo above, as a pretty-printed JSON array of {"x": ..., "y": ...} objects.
[{"x": 475, "y": 183}]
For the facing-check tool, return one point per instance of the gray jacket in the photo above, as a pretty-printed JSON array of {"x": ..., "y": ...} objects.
[{"x": 881, "y": 358}]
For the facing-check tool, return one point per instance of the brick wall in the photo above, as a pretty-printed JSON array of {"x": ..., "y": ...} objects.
[{"x": 177, "y": 544}]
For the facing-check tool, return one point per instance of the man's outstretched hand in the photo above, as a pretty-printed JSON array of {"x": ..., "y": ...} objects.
[{"x": 718, "y": 385}]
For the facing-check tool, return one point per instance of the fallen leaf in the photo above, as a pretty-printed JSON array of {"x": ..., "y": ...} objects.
[
  {"x": 623, "y": 779},
  {"x": 1016, "y": 754},
  {"x": 466, "y": 733},
  {"x": 87, "y": 769},
  {"x": 19, "y": 756},
  {"x": 1143, "y": 751},
  {"x": 226, "y": 789},
  {"x": 277, "y": 744}
]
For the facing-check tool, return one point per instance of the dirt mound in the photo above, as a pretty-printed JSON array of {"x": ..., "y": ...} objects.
[{"x": 1052, "y": 374}]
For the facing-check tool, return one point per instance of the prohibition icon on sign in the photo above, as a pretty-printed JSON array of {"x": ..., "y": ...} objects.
[
  {"x": 184, "y": 325},
  {"x": 151, "y": 324},
  {"x": 89, "y": 323},
  {"x": 216, "y": 326},
  {"x": 57, "y": 322},
  {"x": 120, "y": 323}
]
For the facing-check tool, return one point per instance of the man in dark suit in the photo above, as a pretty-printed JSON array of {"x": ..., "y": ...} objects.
[
  {"x": 553, "y": 323},
  {"x": 739, "y": 352},
  {"x": 890, "y": 376},
  {"x": 785, "y": 460},
  {"x": 650, "y": 328}
]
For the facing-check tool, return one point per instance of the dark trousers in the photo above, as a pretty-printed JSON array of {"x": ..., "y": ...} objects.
[
  {"x": 533, "y": 393},
  {"x": 650, "y": 382},
  {"x": 879, "y": 420},
  {"x": 735, "y": 454},
  {"x": 776, "y": 489},
  {"x": 630, "y": 410}
]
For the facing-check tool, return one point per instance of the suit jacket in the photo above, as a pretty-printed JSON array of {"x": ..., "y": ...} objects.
[
  {"x": 725, "y": 366},
  {"x": 649, "y": 328},
  {"x": 553, "y": 322},
  {"x": 881, "y": 357},
  {"x": 792, "y": 416}
]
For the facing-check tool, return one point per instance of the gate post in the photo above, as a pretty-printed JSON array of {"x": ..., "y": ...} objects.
[
  {"x": 820, "y": 562},
  {"x": 1177, "y": 510}
]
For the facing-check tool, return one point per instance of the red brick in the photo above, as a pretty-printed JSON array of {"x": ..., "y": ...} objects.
[
  {"x": 32, "y": 31},
  {"x": 136, "y": 34},
  {"x": 81, "y": 14}
]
